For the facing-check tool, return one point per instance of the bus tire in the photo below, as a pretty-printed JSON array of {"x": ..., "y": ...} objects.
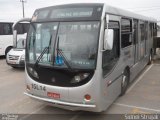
[
  {"x": 7, "y": 50},
  {"x": 125, "y": 82},
  {"x": 150, "y": 59}
]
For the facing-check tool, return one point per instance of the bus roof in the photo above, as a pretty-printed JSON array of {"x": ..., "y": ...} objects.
[
  {"x": 126, "y": 13},
  {"x": 73, "y": 4}
]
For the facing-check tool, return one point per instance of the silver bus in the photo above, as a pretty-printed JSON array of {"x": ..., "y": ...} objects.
[{"x": 83, "y": 56}]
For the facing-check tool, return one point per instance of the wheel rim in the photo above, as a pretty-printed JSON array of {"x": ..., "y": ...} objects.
[
  {"x": 124, "y": 82},
  {"x": 150, "y": 58}
]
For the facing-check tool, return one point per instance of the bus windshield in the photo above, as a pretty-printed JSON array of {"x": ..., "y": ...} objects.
[{"x": 77, "y": 41}]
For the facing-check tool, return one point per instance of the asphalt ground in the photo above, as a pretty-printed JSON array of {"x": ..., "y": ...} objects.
[{"x": 142, "y": 97}]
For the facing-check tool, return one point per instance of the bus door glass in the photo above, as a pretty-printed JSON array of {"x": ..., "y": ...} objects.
[
  {"x": 142, "y": 39},
  {"x": 146, "y": 38},
  {"x": 150, "y": 35},
  {"x": 135, "y": 40},
  {"x": 110, "y": 57}
]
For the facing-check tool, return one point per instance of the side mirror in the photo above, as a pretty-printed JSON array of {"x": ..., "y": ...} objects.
[
  {"x": 108, "y": 39},
  {"x": 15, "y": 38},
  {"x": 15, "y": 32}
]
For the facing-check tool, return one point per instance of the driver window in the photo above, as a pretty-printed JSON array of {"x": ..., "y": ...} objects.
[{"x": 110, "y": 57}]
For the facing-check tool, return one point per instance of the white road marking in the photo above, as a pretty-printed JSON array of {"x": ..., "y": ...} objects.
[
  {"x": 139, "y": 79},
  {"x": 132, "y": 106}
]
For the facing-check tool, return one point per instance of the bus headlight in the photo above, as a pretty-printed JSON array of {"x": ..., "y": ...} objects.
[
  {"x": 79, "y": 77},
  {"x": 33, "y": 72}
]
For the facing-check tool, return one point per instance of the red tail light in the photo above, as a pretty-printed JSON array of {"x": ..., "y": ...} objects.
[{"x": 87, "y": 97}]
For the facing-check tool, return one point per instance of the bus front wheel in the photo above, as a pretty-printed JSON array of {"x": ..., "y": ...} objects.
[{"x": 125, "y": 82}]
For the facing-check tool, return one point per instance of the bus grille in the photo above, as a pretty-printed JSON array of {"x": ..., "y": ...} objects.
[{"x": 12, "y": 57}]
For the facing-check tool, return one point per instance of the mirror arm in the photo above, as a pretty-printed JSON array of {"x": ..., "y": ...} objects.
[
  {"x": 106, "y": 29},
  {"x": 103, "y": 50},
  {"x": 15, "y": 31},
  {"x": 14, "y": 38},
  {"x": 107, "y": 21}
]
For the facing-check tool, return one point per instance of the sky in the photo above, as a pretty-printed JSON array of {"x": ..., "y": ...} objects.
[{"x": 12, "y": 9}]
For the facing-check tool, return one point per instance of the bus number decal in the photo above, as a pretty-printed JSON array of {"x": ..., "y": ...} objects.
[{"x": 38, "y": 87}]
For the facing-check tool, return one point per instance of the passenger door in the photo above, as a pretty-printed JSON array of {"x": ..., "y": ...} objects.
[
  {"x": 135, "y": 41},
  {"x": 110, "y": 59}
]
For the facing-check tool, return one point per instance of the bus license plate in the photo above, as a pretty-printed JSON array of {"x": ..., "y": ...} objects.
[
  {"x": 11, "y": 62},
  {"x": 53, "y": 95}
]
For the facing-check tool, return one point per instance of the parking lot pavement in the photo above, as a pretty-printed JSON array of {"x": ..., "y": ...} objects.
[
  {"x": 12, "y": 87},
  {"x": 12, "y": 99},
  {"x": 143, "y": 96}
]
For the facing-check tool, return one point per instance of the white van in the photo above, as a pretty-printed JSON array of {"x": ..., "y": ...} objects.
[{"x": 16, "y": 56}]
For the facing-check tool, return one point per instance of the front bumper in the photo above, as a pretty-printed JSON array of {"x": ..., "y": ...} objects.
[
  {"x": 21, "y": 63},
  {"x": 61, "y": 103}
]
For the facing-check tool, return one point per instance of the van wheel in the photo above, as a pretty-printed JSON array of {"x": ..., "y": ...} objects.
[
  {"x": 7, "y": 50},
  {"x": 150, "y": 59},
  {"x": 125, "y": 82},
  {"x": 14, "y": 67}
]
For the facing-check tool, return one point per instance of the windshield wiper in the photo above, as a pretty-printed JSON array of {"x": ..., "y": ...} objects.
[
  {"x": 41, "y": 55},
  {"x": 60, "y": 52}
]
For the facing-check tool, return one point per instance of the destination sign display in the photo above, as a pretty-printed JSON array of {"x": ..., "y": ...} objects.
[
  {"x": 65, "y": 12},
  {"x": 72, "y": 12}
]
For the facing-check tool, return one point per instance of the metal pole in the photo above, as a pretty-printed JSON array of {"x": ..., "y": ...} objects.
[{"x": 23, "y": 6}]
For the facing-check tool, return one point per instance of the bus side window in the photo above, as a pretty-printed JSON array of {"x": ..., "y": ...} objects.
[
  {"x": 110, "y": 57},
  {"x": 126, "y": 32},
  {"x": 7, "y": 29},
  {"x": 1, "y": 29},
  {"x": 142, "y": 30}
]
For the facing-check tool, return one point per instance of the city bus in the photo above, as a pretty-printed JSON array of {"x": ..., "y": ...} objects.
[
  {"x": 6, "y": 35},
  {"x": 83, "y": 56}
]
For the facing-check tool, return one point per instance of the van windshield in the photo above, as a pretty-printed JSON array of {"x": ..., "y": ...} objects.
[{"x": 21, "y": 43}]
